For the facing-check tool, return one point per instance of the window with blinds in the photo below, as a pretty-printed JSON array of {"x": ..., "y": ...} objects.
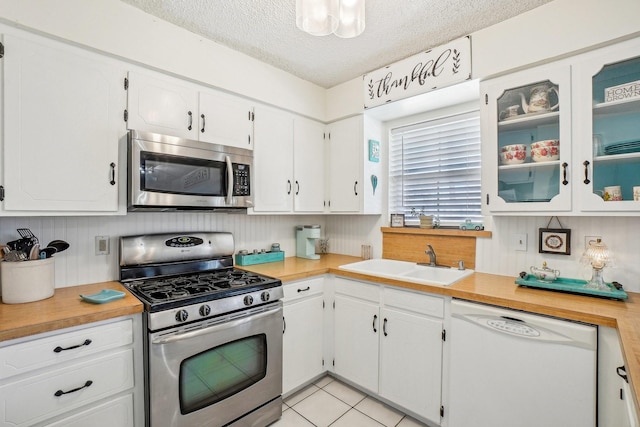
[{"x": 434, "y": 168}]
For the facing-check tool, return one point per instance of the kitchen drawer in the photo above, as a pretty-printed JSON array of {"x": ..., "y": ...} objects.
[
  {"x": 38, "y": 353},
  {"x": 116, "y": 412},
  {"x": 413, "y": 301},
  {"x": 303, "y": 289},
  {"x": 34, "y": 399},
  {"x": 357, "y": 289}
]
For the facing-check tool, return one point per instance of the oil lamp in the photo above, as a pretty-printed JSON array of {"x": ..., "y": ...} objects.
[{"x": 598, "y": 256}]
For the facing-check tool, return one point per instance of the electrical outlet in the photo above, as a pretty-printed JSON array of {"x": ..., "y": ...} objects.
[
  {"x": 520, "y": 242},
  {"x": 102, "y": 245},
  {"x": 587, "y": 239}
]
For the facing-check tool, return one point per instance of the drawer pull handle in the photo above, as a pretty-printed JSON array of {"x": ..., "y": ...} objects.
[
  {"x": 59, "y": 349},
  {"x": 304, "y": 290},
  {"x": 375, "y": 317},
  {"x": 60, "y": 392}
]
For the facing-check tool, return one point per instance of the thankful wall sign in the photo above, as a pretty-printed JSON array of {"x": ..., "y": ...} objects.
[{"x": 433, "y": 69}]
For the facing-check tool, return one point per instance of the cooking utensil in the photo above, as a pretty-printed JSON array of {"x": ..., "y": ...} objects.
[
  {"x": 15, "y": 256},
  {"x": 35, "y": 252},
  {"x": 47, "y": 252},
  {"x": 58, "y": 245}
]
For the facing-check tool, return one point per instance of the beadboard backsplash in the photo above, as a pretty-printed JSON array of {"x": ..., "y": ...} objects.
[{"x": 79, "y": 264}]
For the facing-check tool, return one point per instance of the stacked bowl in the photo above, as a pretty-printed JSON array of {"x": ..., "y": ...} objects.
[
  {"x": 545, "y": 151},
  {"x": 513, "y": 154}
]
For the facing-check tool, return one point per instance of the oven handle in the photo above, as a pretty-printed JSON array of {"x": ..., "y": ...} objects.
[
  {"x": 229, "y": 180},
  {"x": 215, "y": 328}
]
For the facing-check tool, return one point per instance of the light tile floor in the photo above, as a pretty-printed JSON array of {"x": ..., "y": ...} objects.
[{"x": 329, "y": 402}]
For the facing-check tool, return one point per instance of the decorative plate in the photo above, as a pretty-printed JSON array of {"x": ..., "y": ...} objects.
[{"x": 103, "y": 296}]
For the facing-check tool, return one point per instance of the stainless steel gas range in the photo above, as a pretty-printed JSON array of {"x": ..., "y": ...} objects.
[{"x": 213, "y": 334}]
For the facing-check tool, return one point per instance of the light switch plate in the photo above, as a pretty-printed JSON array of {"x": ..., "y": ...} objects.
[
  {"x": 102, "y": 245},
  {"x": 520, "y": 242}
]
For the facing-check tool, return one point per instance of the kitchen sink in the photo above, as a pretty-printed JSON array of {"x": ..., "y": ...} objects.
[{"x": 408, "y": 271}]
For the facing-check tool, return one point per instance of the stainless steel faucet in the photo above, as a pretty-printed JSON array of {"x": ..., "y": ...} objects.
[{"x": 432, "y": 255}]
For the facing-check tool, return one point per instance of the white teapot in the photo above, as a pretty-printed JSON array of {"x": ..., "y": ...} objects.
[{"x": 539, "y": 99}]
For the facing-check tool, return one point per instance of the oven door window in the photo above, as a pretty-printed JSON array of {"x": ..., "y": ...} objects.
[
  {"x": 182, "y": 175},
  {"x": 221, "y": 372}
]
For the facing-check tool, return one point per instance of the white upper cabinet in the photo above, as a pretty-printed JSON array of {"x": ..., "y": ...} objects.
[
  {"x": 63, "y": 111},
  {"x": 522, "y": 111},
  {"x": 354, "y": 174},
  {"x": 273, "y": 161},
  {"x": 170, "y": 106},
  {"x": 607, "y": 101},
  {"x": 345, "y": 165},
  {"x": 308, "y": 165},
  {"x": 591, "y": 105},
  {"x": 226, "y": 120},
  {"x": 288, "y": 163},
  {"x": 162, "y": 104}
]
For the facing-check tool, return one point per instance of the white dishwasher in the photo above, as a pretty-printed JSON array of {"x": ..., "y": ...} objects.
[{"x": 515, "y": 369}]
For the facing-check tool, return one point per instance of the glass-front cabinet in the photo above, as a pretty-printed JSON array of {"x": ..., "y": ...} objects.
[
  {"x": 527, "y": 152},
  {"x": 607, "y": 100}
]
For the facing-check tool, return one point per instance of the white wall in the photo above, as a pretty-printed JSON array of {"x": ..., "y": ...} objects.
[{"x": 118, "y": 29}]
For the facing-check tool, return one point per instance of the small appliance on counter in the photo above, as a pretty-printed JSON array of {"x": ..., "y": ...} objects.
[{"x": 306, "y": 236}]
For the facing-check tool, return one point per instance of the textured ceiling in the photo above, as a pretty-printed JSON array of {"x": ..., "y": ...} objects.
[{"x": 395, "y": 29}]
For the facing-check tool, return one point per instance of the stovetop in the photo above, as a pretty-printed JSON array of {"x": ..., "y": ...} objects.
[{"x": 183, "y": 289}]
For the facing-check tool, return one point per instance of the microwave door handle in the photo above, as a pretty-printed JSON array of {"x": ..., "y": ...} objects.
[{"x": 229, "y": 181}]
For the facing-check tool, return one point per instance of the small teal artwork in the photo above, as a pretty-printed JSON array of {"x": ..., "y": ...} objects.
[{"x": 374, "y": 151}]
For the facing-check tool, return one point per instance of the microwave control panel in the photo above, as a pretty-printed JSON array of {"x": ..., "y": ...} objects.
[{"x": 241, "y": 180}]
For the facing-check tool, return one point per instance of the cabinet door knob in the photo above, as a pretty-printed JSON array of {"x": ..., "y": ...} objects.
[
  {"x": 564, "y": 173},
  {"x": 297, "y": 188},
  {"x": 375, "y": 317},
  {"x": 190, "y": 120},
  {"x": 384, "y": 327},
  {"x": 289, "y": 186},
  {"x": 355, "y": 188},
  {"x": 203, "y": 121}
]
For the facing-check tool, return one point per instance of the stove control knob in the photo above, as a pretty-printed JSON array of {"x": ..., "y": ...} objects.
[
  {"x": 205, "y": 310},
  {"x": 182, "y": 315},
  {"x": 265, "y": 296},
  {"x": 248, "y": 300}
]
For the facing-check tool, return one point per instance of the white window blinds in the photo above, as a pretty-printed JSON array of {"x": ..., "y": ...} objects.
[{"x": 434, "y": 167}]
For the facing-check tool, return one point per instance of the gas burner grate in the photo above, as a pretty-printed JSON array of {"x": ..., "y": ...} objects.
[{"x": 213, "y": 284}]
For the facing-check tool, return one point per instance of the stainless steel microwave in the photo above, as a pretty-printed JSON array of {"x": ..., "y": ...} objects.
[{"x": 171, "y": 173}]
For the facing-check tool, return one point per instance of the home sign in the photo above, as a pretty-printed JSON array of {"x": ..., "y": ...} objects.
[{"x": 424, "y": 72}]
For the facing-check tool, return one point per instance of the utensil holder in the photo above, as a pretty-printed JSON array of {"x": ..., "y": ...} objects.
[{"x": 27, "y": 281}]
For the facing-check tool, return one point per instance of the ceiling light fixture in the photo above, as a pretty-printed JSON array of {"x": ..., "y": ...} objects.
[{"x": 344, "y": 18}]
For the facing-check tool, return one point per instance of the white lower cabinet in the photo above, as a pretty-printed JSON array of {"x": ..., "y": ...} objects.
[
  {"x": 88, "y": 375},
  {"x": 303, "y": 336},
  {"x": 388, "y": 341},
  {"x": 616, "y": 407}
]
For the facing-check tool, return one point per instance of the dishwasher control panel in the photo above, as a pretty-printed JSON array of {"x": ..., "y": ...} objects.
[{"x": 513, "y": 327}]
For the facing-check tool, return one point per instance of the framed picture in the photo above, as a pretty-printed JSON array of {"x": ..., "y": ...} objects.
[
  {"x": 397, "y": 220},
  {"x": 374, "y": 151},
  {"x": 554, "y": 241}
]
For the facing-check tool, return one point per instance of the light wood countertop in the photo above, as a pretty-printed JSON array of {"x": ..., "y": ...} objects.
[
  {"x": 501, "y": 291},
  {"x": 63, "y": 310}
]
